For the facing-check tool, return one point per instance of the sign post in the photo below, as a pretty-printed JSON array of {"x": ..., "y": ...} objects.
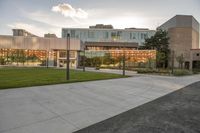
[{"x": 67, "y": 56}]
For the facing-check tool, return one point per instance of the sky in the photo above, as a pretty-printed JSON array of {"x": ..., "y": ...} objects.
[{"x": 50, "y": 16}]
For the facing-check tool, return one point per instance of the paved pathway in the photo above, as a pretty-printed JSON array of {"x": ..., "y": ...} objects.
[
  {"x": 116, "y": 71},
  {"x": 69, "y": 107}
]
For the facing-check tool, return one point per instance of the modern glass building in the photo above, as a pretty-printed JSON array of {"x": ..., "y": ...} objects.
[
  {"x": 26, "y": 49},
  {"x": 105, "y": 39},
  {"x": 106, "y": 33}
]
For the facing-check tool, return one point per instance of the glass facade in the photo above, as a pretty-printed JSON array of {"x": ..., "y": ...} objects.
[
  {"x": 109, "y": 35},
  {"x": 21, "y": 57},
  {"x": 24, "y": 57}
]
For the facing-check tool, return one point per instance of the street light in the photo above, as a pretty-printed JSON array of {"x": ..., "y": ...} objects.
[
  {"x": 172, "y": 62},
  {"x": 67, "y": 56},
  {"x": 124, "y": 60},
  {"x": 84, "y": 59}
]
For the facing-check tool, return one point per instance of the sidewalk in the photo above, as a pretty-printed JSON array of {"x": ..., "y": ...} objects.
[
  {"x": 66, "y": 108},
  {"x": 115, "y": 71}
]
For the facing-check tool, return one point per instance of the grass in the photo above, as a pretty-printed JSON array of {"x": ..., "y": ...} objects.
[{"x": 25, "y": 77}]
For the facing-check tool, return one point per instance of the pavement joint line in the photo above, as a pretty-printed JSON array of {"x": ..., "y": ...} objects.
[
  {"x": 25, "y": 125},
  {"x": 56, "y": 114}
]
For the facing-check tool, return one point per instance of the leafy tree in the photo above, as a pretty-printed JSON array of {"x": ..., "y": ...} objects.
[
  {"x": 2, "y": 61},
  {"x": 180, "y": 59},
  {"x": 160, "y": 59},
  {"x": 22, "y": 56},
  {"x": 160, "y": 43}
]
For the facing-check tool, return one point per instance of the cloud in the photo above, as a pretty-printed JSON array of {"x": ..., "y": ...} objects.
[
  {"x": 52, "y": 19},
  {"x": 68, "y": 11}
]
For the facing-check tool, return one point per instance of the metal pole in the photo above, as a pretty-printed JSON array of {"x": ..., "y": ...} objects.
[
  {"x": 84, "y": 60},
  {"x": 172, "y": 61},
  {"x": 124, "y": 61},
  {"x": 47, "y": 62},
  {"x": 67, "y": 58},
  {"x": 47, "y": 59}
]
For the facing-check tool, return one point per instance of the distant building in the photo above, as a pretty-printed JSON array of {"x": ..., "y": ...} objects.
[
  {"x": 22, "y": 32},
  {"x": 105, "y": 35},
  {"x": 105, "y": 39},
  {"x": 101, "y": 26},
  {"x": 183, "y": 31},
  {"x": 27, "y": 49},
  {"x": 50, "y": 35}
]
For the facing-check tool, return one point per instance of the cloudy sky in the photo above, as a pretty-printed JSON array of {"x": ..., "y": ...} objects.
[{"x": 49, "y": 16}]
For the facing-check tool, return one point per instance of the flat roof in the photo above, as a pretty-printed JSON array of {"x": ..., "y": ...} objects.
[{"x": 127, "y": 29}]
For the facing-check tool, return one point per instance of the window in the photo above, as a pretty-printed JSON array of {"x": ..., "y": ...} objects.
[
  {"x": 142, "y": 36},
  {"x": 113, "y": 35},
  {"x": 77, "y": 36},
  {"x": 145, "y": 36},
  {"x": 106, "y": 35},
  {"x": 72, "y": 33},
  {"x": 116, "y": 35},
  {"x": 90, "y": 34},
  {"x": 133, "y": 36},
  {"x": 119, "y": 34},
  {"x": 65, "y": 33}
]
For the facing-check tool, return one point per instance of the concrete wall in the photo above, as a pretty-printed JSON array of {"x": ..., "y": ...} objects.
[
  {"x": 195, "y": 54},
  {"x": 37, "y": 43},
  {"x": 183, "y": 31},
  {"x": 186, "y": 21},
  {"x": 181, "y": 42}
]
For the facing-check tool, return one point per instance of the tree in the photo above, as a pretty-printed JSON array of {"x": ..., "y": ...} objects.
[
  {"x": 97, "y": 62},
  {"x": 180, "y": 59},
  {"x": 160, "y": 59},
  {"x": 2, "y": 61},
  {"x": 160, "y": 43},
  {"x": 22, "y": 57}
]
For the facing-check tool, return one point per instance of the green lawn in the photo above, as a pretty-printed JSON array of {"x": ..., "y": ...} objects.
[{"x": 23, "y": 77}]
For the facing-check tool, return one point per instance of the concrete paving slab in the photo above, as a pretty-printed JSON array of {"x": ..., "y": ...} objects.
[
  {"x": 77, "y": 105},
  {"x": 82, "y": 118},
  {"x": 55, "y": 125},
  {"x": 16, "y": 112}
]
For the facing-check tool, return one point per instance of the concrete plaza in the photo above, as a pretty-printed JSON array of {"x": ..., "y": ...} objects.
[{"x": 66, "y": 108}]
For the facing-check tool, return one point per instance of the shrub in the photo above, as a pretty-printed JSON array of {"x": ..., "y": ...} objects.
[
  {"x": 2, "y": 61},
  {"x": 182, "y": 72},
  {"x": 146, "y": 70}
]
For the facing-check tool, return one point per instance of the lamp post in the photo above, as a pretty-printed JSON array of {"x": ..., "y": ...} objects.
[
  {"x": 47, "y": 59},
  {"x": 67, "y": 56},
  {"x": 172, "y": 61},
  {"x": 124, "y": 61},
  {"x": 84, "y": 60}
]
